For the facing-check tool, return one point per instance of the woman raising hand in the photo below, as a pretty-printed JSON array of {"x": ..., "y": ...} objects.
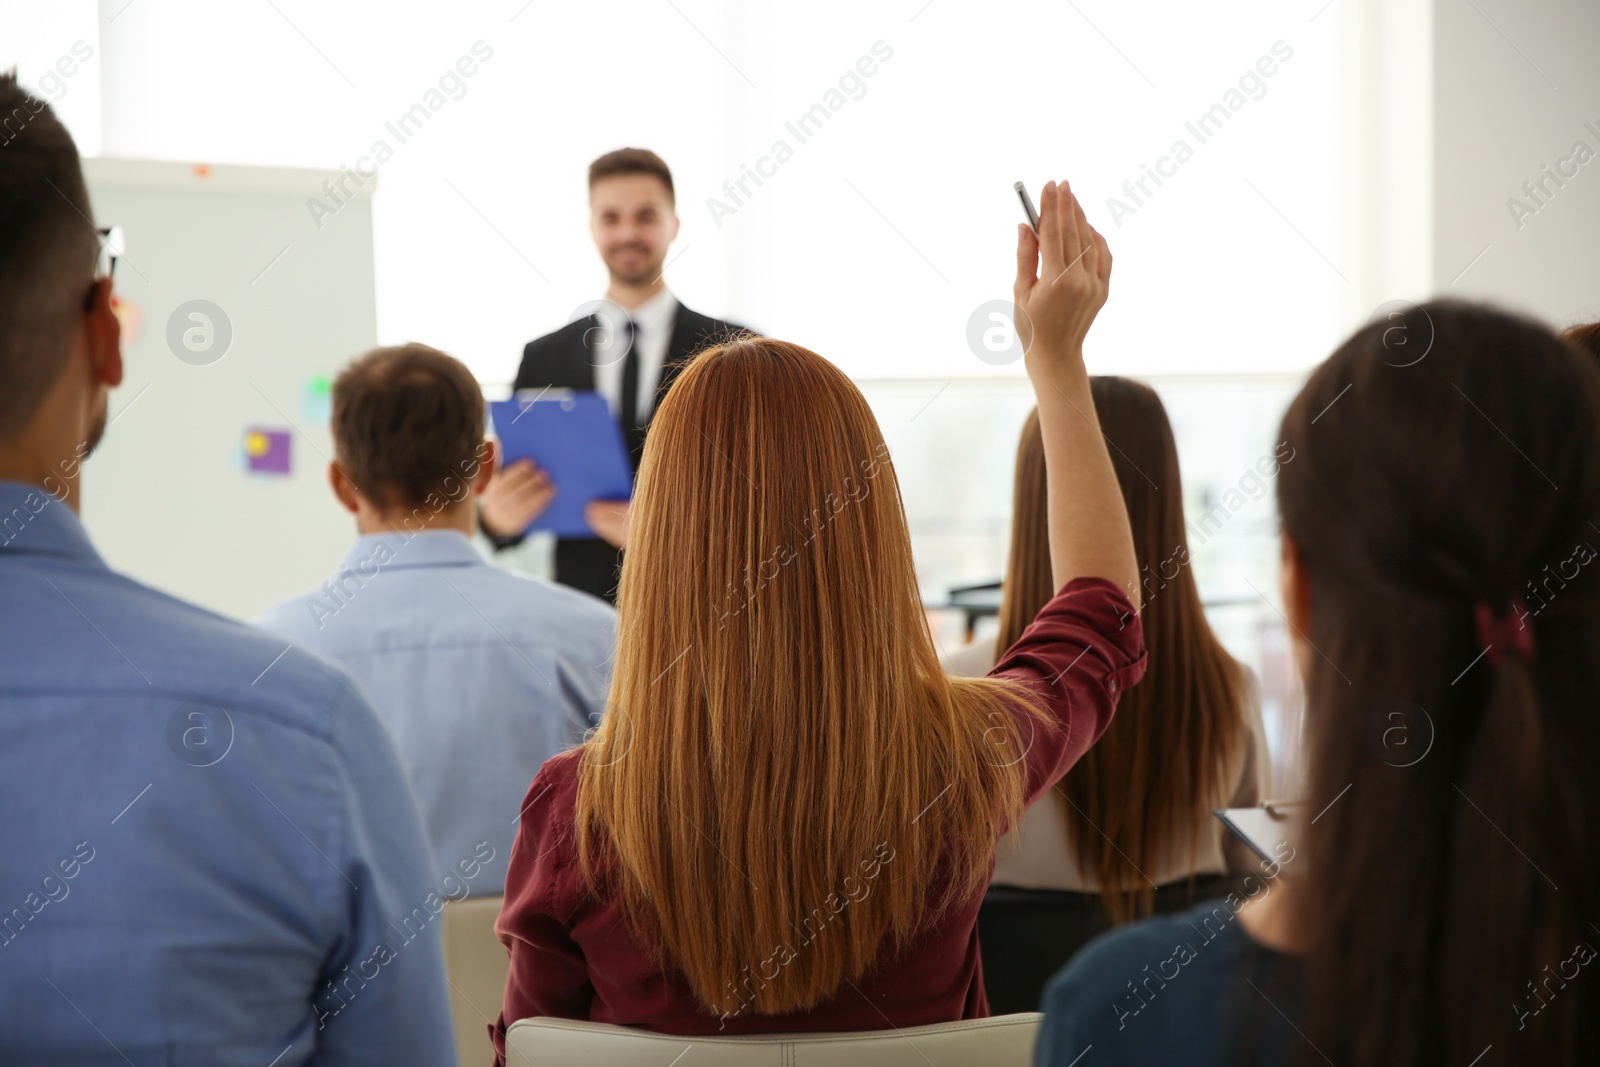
[{"x": 788, "y": 816}]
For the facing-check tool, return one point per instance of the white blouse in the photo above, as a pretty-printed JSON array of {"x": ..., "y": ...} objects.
[{"x": 1036, "y": 855}]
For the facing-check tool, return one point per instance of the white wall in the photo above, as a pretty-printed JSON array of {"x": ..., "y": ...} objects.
[
  {"x": 1448, "y": 108},
  {"x": 874, "y": 243},
  {"x": 1516, "y": 87},
  {"x": 1392, "y": 177},
  {"x": 47, "y": 44},
  {"x": 1385, "y": 153},
  {"x": 898, "y": 221}
]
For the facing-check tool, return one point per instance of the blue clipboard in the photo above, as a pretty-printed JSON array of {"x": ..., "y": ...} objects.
[{"x": 572, "y": 437}]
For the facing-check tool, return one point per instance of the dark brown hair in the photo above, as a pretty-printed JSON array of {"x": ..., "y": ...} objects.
[
  {"x": 406, "y": 421},
  {"x": 1181, "y": 734},
  {"x": 1447, "y": 879},
  {"x": 632, "y": 161},
  {"x": 48, "y": 248}
]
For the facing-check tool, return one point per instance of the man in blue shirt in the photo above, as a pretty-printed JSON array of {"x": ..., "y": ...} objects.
[
  {"x": 210, "y": 852},
  {"x": 480, "y": 675}
]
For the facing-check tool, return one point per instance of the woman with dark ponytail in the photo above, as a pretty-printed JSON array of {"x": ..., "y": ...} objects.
[{"x": 1440, "y": 530}]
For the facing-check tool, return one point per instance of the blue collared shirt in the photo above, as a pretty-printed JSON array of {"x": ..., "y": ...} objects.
[
  {"x": 210, "y": 853},
  {"x": 480, "y": 676}
]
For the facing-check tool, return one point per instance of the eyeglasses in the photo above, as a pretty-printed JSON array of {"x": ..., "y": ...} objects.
[
  {"x": 111, "y": 244},
  {"x": 106, "y": 265}
]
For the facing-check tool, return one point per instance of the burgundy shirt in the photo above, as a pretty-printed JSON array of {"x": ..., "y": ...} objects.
[{"x": 574, "y": 957}]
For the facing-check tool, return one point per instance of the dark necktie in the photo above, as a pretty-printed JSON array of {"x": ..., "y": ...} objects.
[{"x": 628, "y": 415}]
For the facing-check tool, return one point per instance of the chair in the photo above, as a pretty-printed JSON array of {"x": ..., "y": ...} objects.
[
  {"x": 1001, "y": 1041},
  {"x": 974, "y": 602},
  {"x": 1026, "y": 935},
  {"x": 477, "y": 964}
]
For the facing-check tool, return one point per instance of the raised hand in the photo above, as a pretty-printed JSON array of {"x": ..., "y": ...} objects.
[
  {"x": 1062, "y": 279},
  {"x": 1063, "y": 276}
]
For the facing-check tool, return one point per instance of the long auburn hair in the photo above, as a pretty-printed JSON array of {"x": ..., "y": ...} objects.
[
  {"x": 1586, "y": 336},
  {"x": 1181, "y": 733},
  {"x": 1452, "y": 868},
  {"x": 784, "y": 780}
]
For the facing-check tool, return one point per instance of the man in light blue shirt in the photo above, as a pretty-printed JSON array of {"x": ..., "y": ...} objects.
[
  {"x": 210, "y": 851},
  {"x": 480, "y": 675}
]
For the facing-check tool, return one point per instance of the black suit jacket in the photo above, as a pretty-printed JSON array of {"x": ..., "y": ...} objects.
[{"x": 562, "y": 360}]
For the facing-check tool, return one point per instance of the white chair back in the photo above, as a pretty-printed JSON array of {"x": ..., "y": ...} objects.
[
  {"x": 1001, "y": 1041},
  {"x": 477, "y": 964}
]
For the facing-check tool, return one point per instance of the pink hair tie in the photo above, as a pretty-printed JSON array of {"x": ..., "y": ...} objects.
[{"x": 1508, "y": 633}]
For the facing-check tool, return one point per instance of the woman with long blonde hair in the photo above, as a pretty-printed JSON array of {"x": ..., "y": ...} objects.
[{"x": 788, "y": 815}]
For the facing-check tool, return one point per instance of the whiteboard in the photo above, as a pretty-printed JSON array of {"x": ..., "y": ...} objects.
[{"x": 168, "y": 497}]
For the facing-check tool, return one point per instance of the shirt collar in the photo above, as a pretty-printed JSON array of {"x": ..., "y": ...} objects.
[
  {"x": 654, "y": 314},
  {"x": 33, "y": 522},
  {"x": 428, "y": 548}
]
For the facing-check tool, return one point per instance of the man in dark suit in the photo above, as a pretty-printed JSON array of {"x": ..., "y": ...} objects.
[{"x": 629, "y": 350}]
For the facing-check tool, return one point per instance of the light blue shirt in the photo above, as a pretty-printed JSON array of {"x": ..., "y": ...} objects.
[
  {"x": 209, "y": 851},
  {"x": 480, "y": 676}
]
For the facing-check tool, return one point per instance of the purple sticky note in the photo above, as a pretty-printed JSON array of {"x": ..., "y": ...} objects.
[{"x": 266, "y": 451}]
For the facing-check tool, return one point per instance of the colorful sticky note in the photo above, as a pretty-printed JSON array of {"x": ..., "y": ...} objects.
[
  {"x": 130, "y": 317},
  {"x": 266, "y": 451},
  {"x": 316, "y": 400}
]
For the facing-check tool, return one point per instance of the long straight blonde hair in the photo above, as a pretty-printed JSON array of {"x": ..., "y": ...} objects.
[{"x": 785, "y": 785}]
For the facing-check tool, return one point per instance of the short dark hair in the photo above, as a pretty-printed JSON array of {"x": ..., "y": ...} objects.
[
  {"x": 408, "y": 422},
  {"x": 632, "y": 161},
  {"x": 48, "y": 249}
]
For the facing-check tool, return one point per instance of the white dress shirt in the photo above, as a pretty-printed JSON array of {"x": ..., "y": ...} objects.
[{"x": 652, "y": 332}]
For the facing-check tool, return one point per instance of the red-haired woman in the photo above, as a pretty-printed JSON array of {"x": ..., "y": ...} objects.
[{"x": 789, "y": 814}]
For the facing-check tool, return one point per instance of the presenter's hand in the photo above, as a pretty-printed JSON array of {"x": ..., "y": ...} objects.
[
  {"x": 609, "y": 520},
  {"x": 1063, "y": 277},
  {"x": 516, "y": 496}
]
